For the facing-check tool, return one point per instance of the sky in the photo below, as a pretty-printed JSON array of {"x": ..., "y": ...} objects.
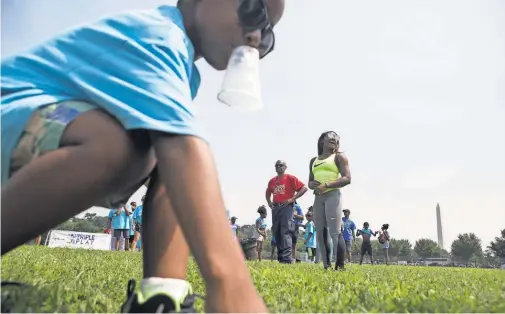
[{"x": 415, "y": 89}]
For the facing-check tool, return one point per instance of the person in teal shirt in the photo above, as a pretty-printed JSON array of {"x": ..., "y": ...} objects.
[
  {"x": 137, "y": 223},
  {"x": 91, "y": 115},
  {"x": 119, "y": 223},
  {"x": 131, "y": 234},
  {"x": 366, "y": 246},
  {"x": 310, "y": 237}
]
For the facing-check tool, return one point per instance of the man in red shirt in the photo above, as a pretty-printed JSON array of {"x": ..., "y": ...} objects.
[{"x": 286, "y": 189}]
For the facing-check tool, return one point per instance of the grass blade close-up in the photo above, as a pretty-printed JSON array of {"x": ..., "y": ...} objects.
[{"x": 70, "y": 280}]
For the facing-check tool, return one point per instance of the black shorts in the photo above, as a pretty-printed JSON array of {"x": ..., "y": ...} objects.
[
  {"x": 138, "y": 227},
  {"x": 366, "y": 248},
  {"x": 130, "y": 240},
  {"x": 296, "y": 232}
]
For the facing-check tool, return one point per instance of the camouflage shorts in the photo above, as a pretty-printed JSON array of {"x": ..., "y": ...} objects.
[
  {"x": 43, "y": 134},
  {"x": 44, "y": 130}
]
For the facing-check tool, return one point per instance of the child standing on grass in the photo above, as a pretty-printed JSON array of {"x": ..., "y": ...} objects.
[
  {"x": 366, "y": 246},
  {"x": 89, "y": 116},
  {"x": 310, "y": 237}
]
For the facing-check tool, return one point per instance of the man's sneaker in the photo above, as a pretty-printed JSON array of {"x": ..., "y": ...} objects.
[{"x": 158, "y": 303}]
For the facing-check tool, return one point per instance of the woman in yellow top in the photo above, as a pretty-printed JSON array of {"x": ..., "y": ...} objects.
[{"x": 329, "y": 172}]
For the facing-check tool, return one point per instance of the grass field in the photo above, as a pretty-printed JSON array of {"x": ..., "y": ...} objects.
[{"x": 68, "y": 280}]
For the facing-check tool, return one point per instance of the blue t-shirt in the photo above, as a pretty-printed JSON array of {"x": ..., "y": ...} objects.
[
  {"x": 129, "y": 221},
  {"x": 310, "y": 228},
  {"x": 119, "y": 221},
  {"x": 299, "y": 211},
  {"x": 261, "y": 221},
  {"x": 137, "y": 214},
  {"x": 137, "y": 66},
  {"x": 348, "y": 226}
]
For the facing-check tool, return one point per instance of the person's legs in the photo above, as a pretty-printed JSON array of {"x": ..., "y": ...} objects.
[
  {"x": 166, "y": 253},
  {"x": 184, "y": 161},
  {"x": 276, "y": 228},
  {"x": 138, "y": 230},
  {"x": 318, "y": 253},
  {"x": 333, "y": 212},
  {"x": 124, "y": 241},
  {"x": 130, "y": 241},
  {"x": 38, "y": 239},
  {"x": 386, "y": 254},
  {"x": 63, "y": 183},
  {"x": 259, "y": 245},
  {"x": 117, "y": 235},
  {"x": 320, "y": 223},
  {"x": 286, "y": 229},
  {"x": 370, "y": 252},
  {"x": 362, "y": 253},
  {"x": 348, "y": 250},
  {"x": 294, "y": 240},
  {"x": 274, "y": 247}
]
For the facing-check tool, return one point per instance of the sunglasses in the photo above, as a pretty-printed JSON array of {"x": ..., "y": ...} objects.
[
  {"x": 332, "y": 135},
  {"x": 279, "y": 165},
  {"x": 253, "y": 15}
]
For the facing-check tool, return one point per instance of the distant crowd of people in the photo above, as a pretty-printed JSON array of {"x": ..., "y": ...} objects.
[
  {"x": 125, "y": 226},
  {"x": 329, "y": 172}
]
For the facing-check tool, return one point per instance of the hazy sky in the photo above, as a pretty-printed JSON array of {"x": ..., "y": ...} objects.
[{"x": 414, "y": 88}]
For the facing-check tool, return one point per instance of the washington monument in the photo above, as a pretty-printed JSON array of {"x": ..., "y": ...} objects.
[{"x": 439, "y": 228}]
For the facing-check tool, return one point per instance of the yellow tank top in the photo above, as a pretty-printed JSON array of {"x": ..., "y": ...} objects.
[{"x": 325, "y": 171}]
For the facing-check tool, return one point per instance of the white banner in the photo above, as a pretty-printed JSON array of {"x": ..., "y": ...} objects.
[{"x": 79, "y": 240}]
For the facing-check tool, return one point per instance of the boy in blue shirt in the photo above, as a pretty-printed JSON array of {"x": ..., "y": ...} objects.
[
  {"x": 90, "y": 115},
  {"x": 348, "y": 228},
  {"x": 310, "y": 237}
]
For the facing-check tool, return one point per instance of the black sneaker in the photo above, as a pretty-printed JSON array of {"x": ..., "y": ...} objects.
[
  {"x": 9, "y": 296},
  {"x": 159, "y": 303}
]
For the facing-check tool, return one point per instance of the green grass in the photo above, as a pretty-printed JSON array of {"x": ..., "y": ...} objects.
[{"x": 68, "y": 280}]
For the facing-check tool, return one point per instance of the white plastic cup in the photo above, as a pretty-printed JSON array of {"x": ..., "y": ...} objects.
[{"x": 241, "y": 84}]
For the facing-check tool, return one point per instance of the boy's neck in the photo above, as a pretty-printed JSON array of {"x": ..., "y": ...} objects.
[{"x": 188, "y": 17}]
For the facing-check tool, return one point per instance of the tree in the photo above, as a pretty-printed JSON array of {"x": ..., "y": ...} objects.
[
  {"x": 400, "y": 248},
  {"x": 497, "y": 247},
  {"x": 426, "y": 248},
  {"x": 466, "y": 247}
]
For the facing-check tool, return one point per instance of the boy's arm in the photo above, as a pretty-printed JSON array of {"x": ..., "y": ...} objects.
[{"x": 219, "y": 261}]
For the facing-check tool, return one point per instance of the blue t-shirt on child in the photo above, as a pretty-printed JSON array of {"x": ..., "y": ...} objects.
[{"x": 310, "y": 228}]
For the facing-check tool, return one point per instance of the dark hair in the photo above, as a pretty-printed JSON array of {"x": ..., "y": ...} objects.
[
  {"x": 320, "y": 141},
  {"x": 366, "y": 223},
  {"x": 385, "y": 226},
  {"x": 262, "y": 209}
]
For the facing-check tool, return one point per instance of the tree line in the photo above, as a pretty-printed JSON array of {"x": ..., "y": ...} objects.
[{"x": 466, "y": 249}]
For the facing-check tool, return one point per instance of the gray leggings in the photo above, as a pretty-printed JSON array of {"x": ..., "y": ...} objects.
[{"x": 328, "y": 214}]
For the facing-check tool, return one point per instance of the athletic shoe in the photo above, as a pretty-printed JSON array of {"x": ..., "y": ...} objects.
[
  {"x": 9, "y": 297},
  {"x": 158, "y": 303}
]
